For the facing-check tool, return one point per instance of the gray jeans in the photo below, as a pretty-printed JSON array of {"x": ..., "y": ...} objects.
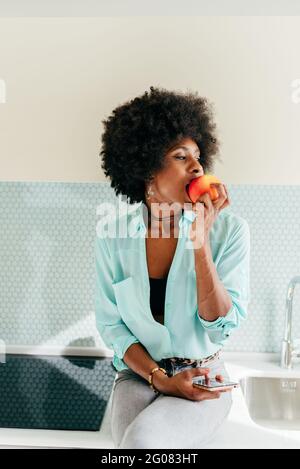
[{"x": 142, "y": 419}]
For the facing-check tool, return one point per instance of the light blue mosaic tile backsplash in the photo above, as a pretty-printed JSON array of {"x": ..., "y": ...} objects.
[{"x": 47, "y": 262}]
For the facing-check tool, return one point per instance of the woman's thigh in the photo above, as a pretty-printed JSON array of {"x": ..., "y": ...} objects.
[
  {"x": 173, "y": 422},
  {"x": 131, "y": 394}
]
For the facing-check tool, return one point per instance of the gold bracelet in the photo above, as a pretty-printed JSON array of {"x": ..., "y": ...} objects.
[{"x": 150, "y": 379}]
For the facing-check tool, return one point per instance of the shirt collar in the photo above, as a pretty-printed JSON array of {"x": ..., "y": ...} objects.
[{"x": 137, "y": 224}]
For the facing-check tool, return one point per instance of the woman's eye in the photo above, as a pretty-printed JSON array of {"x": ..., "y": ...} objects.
[{"x": 178, "y": 156}]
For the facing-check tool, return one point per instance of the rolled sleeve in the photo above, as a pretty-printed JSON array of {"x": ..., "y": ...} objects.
[
  {"x": 234, "y": 272},
  {"x": 114, "y": 332}
]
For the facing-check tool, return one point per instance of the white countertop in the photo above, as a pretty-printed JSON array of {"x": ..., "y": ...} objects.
[{"x": 239, "y": 431}]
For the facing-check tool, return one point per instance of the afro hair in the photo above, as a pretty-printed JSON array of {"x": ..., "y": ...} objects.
[{"x": 138, "y": 134}]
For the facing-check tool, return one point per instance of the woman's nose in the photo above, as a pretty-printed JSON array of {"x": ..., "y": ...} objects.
[
  {"x": 196, "y": 167},
  {"x": 198, "y": 171}
]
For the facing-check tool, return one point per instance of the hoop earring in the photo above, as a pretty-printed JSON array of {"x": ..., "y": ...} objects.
[{"x": 150, "y": 192}]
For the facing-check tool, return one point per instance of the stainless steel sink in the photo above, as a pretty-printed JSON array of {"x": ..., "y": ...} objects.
[{"x": 273, "y": 402}]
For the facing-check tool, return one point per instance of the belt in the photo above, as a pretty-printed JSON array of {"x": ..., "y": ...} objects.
[{"x": 171, "y": 363}]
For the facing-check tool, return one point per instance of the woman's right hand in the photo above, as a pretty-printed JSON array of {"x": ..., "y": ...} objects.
[{"x": 181, "y": 385}]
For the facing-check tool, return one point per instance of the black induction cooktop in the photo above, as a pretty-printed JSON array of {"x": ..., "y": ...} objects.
[{"x": 54, "y": 392}]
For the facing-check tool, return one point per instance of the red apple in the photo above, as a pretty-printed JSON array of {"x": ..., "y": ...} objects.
[{"x": 201, "y": 185}]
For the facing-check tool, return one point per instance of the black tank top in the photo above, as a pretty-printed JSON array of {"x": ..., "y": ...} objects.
[{"x": 157, "y": 295}]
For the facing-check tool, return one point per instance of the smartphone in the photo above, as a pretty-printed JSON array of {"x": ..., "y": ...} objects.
[{"x": 212, "y": 384}]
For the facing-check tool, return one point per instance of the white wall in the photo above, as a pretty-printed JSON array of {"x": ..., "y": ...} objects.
[{"x": 63, "y": 75}]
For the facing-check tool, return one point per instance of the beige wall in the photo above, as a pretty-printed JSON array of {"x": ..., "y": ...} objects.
[{"x": 64, "y": 75}]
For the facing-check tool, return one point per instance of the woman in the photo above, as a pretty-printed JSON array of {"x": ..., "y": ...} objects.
[{"x": 167, "y": 304}]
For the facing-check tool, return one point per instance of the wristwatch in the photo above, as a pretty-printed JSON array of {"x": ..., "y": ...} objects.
[{"x": 150, "y": 379}]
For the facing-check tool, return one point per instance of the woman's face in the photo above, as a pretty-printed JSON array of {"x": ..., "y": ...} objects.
[{"x": 182, "y": 164}]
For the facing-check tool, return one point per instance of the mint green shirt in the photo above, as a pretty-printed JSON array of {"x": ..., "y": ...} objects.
[{"x": 122, "y": 294}]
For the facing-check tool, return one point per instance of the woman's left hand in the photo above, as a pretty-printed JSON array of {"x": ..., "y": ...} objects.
[{"x": 210, "y": 212}]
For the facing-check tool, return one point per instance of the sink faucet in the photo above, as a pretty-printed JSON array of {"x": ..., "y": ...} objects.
[{"x": 288, "y": 352}]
